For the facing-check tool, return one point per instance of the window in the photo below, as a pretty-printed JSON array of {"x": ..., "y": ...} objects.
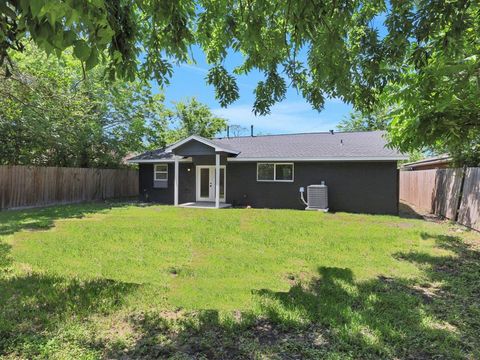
[
  {"x": 160, "y": 172},
  {"x": 275, "y": 172},
  {"x": 265, "y": 172}
]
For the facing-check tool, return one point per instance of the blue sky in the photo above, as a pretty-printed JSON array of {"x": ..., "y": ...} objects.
[{"x": 292, "y": 115}]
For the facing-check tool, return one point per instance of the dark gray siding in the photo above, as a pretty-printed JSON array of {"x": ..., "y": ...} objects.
[
  {"x": 366, "y": 187},
  {"x": 208, "y": 160},
  {"x": 165, "y": 196},
  {"x": 194, "y": 148}
]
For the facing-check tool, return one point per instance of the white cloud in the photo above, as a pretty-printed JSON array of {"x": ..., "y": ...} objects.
[
  {"x": 195, "y": 68},
  {"x": 286, "y": 117}
]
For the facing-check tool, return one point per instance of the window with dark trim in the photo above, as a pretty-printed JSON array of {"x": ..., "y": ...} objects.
[{"x": 276, "y": 172}]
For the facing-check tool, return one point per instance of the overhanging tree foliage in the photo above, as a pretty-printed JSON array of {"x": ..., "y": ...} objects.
[
  {"x": 322, "y": 48},
  {"x": 378, "y": 119}
]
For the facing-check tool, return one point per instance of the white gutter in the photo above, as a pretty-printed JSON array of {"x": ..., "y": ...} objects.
[
  {"x": 333, "y": 158},
  {"x": 157, "y": 161},
  {"x": 232, "y": 159}
]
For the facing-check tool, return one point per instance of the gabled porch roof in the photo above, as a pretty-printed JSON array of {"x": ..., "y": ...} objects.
[{"x": 215, "y": 146}]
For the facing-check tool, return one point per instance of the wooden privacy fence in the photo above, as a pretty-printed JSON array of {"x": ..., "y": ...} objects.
[
  {"x": 24, "y": 186},
  {"x": 451, "y": 193}
]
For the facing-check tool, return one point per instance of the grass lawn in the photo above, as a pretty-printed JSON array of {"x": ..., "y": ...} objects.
[{"x": 123, "y": 281}]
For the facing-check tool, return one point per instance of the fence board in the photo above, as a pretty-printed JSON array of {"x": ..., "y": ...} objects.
[
  {"x": 446, "y": 195},
  {"x": 439, "y": 191},
  {"x": 24, "y": 186},
  {"x": 417, "y": 188},
  {"x": 469, "y": 212}
]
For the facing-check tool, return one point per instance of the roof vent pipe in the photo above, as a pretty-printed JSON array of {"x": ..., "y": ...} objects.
[
  {"x": 251, "y": 130},
  {"x": 228, "y": 132}
]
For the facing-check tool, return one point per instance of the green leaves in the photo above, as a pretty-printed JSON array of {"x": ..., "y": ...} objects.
[
  {"x": 425, "y": 67},
  {"x": 36, "y": 7},
  {"x": 226, "y": 89},
  {"x": 268, "y": 93},
  {"x": 81, "y": 50},
  {"x": 194, "y": 118},
  {"x": 53, "y": 115}
]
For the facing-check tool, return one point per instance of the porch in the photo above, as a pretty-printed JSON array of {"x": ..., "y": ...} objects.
[
  {"x": 205, "y": 205},
  {"x": 209, "y": 160}
]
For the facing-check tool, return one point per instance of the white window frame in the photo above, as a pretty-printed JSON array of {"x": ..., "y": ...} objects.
[
  {"x": 155, "y": 172},
  {"x": 275, "y": 171}
]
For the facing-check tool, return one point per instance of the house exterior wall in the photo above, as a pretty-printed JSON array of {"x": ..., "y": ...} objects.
[
  {"x": 364, "y": 187},
  {"x": 186, "y": 184}
]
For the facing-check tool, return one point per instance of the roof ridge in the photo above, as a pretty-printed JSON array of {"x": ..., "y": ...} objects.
[{"x": 300, "y": 133}]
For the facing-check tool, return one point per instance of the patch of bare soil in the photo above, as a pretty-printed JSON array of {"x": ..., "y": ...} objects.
[
  {"x": 269, "y": 334},
  {"x": 410, "y": 211},
  {"x": 400, "y": 225},
  {"x": 297, "y": 278},
  {"x": 176, "y": 334}
]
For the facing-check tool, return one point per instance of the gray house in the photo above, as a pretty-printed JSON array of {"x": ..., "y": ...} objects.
[{"x": 268, "y": 171}]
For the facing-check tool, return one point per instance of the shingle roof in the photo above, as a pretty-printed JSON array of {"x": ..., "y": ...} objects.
[
  {"x": 310, "y": 146},
  {"x": 158, "y": 154}
]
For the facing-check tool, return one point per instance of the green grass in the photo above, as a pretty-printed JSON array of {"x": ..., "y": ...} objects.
[{"x": 113, "y": 280}]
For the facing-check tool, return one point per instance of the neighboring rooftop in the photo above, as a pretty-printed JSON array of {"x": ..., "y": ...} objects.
[
  {"x": 440, "y": 161},
  {"x": 305, "y": 146}
]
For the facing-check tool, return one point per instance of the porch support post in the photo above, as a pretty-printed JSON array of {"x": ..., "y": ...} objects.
[
  {"x": 217, "y": 181},
  {"x": 175, "y": 188}
]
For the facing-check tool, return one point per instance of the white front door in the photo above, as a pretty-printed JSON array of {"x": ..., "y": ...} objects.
[{"x": 206, "y": 183}]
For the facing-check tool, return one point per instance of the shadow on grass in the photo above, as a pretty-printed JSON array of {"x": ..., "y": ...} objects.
[
  {"x": 12, "y": 221},
  {"x": 5, "y": 258},
  {"x": 335, "y": 316},
  {"x": 36, "y": 308}
]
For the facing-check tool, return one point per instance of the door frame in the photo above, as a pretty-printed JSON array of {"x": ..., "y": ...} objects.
[{"x": 211, "y": 175}]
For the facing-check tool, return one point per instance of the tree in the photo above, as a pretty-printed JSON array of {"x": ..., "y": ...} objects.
[
  {"x": 322, "y": 48},
  {"x": 438, "y": 107},
  {"x": 189, "y": 117},
  {"x": 271, "y": 34},
  {"x": 194, "y": 118},
  {"x": 51, "y": 114},
  {"x": 357, "y": 121},
  {"x": 237, "y": 130},
  {"x": 377, "y": 120}
]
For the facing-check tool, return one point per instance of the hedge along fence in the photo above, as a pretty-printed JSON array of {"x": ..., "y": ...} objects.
[
  {"x": 29, "y": 186},
  {"x": 451, "y": 193}
]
